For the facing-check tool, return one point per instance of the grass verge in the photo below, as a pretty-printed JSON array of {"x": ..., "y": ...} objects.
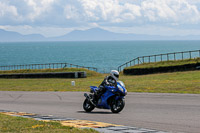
[
  {"x": 176, "y": 82},
  {"x": 24, "y": 125}
]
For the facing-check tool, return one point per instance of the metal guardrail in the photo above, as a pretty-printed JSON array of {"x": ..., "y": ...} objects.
[
  {"x": 44, "y": 66},
  {"x": 161, "y": 57}
]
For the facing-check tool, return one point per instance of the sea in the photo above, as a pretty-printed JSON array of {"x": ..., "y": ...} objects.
[{"x": 104, "y": 55}]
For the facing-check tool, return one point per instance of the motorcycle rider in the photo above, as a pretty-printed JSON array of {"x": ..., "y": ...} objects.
[{"x": 110, "y": 80}]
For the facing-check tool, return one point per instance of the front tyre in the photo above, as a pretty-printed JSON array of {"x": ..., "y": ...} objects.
[
  {"x": 88, "y": 106},
  {"x": 117, "y": 105}
]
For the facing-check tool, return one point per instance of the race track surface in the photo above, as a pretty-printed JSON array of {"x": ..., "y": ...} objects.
[{"x": 165, "y": 112}]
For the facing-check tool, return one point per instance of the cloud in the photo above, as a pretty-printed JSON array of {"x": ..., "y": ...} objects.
[
  {"x": 111, "y": 11},
  {"x": 71, "y": 12},
  {"x": 100, "y": 13},
  {"x": 175, "y": 11},
  {"x": 7, "y": 11},
  {"x": 38, "y": 8}
]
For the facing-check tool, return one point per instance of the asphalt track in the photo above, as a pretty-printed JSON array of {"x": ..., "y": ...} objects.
[{"x": 164, "y": 112}]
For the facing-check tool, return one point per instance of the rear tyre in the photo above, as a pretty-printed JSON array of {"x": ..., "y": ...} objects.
[
  {"x": 117, "y": 105},
  {"x": 88, "y": 106}
]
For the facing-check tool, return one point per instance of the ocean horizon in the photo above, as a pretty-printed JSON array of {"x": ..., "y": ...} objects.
[{"x": 104, "y": 55}]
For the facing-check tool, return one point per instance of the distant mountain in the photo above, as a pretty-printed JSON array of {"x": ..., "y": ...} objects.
[
  {"x": 97, "y": 34},
  {"x": 9, "y": 36},
  {"x": 94, "y": 34}
]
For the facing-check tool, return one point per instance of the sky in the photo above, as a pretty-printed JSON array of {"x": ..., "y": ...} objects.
[{"x": 58, "y": 17}]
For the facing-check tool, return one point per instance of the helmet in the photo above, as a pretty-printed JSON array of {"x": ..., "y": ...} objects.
[{"x": 114, "y": 74}]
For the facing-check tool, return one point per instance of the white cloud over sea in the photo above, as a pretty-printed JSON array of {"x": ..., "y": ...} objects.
[{"x": 114, "y": 15}]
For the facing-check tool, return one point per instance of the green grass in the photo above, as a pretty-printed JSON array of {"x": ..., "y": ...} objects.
[
  {"x": 177, "y": 82},
  {"x": 49, "y": 84},
  {"x": 24, "y": 125},
  {"x": 166, "y": 63}
]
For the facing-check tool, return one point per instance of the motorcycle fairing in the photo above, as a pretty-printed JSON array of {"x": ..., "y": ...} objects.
[
  {"x": 94, "y": 88},
  {"x": 104, "y": 98}
]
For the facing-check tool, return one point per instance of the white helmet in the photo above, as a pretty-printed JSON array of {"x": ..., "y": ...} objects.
[{"x": 114, "y": 74}]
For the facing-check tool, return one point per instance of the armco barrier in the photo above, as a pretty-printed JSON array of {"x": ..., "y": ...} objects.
[{"x": 46, "y": 75}]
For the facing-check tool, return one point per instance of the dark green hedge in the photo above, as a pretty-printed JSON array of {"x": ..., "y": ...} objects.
[
  {"x": 142, "y": 71},
  {"x": 46, "y": 75}
]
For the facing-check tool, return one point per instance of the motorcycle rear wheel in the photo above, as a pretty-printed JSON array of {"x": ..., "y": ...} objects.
[
  {"x": 117, "y": 106},
  {"x": 88, "y": 106}
]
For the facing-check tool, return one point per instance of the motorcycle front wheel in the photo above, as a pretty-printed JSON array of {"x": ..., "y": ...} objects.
[
  {"x": 88, "y": 106},
  {"x": 117, "y": 105}
]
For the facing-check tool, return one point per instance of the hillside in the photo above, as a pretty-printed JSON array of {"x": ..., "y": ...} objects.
[
  {"x": 9, "y": 36},
  {"x": 164, "y": 66},
  {"x": 94, "y": 34}
]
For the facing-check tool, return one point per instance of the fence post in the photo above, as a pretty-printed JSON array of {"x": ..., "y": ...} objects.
[
  {"x": 161, "y": 57},
  {"x": 190, "y": 54},
  {"x": 155, "y": 57},
  {"x": 199, "y": 53},
  {"x": 167, "y": 57},
  {"x": 149, "y": 59},
  {"x": 143, "y": 59},
  {"x": 138, "y": 60},
  {"x": 182, "y": 55},
  {"x": 174, "y": 56}
]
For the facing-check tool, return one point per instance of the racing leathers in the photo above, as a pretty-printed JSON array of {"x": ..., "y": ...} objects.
[{"x": 108, "y": 81}]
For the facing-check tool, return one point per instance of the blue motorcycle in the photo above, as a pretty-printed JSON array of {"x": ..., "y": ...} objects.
[{"x": 112, "y": 99}]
